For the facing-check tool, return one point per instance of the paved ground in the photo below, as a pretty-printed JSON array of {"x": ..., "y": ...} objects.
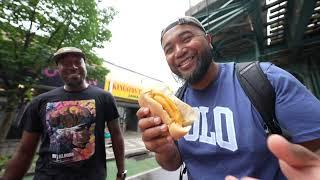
[
  {"x": 134, "y": 146},
  {"x": 158, "y": 174},
  {"x": 132, "y": 142}
]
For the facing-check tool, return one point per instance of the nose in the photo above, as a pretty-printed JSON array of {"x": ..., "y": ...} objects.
[
  {"x": 180, "y": 50},
  {"x": 74, "y": 66}
]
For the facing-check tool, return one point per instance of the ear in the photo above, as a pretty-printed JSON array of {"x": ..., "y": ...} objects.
[{"x": 209, "y": 39}]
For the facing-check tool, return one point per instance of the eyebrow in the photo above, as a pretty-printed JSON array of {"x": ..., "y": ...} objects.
[
  {"x": 164, "y": 47},
  {"x": 184, "y": 32},
  {"x": 179, "y": 35}
]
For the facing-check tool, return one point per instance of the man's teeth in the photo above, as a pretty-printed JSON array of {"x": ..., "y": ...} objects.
[{"x": 186, "y": 61}]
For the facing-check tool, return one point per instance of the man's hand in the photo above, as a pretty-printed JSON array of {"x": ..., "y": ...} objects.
[
  {"x": 243, "y": 178},
  {"x": 156, "y": 137},
  {"x": 155, "y": 134},
  {"x": 296, "y": 161}
]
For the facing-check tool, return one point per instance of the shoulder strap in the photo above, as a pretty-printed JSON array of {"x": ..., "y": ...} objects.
[
  {"x": 261, "y": 94},
  {"x": 180, "y": 92}
]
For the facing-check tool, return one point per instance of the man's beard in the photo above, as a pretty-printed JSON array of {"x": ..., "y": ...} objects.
[
  {"x": 74, "y": 83},
  {"x": 203, "y": 63}
]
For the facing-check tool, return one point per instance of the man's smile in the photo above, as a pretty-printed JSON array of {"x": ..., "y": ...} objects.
[{"x": 187, "y": 63}]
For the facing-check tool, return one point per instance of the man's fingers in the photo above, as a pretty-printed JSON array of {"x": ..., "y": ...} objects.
[
  {"x": 154, "y": 132},
  {"x": 143, "y": 112},
  {"x": 243, "y": 178},
  {"x": 288, "y": 171},
  {"x": 157, "y": 145},
  {"x": 149, "y": 122},
  {"x": 293, "y": 154},
  {"x": 230, "y": 178}
]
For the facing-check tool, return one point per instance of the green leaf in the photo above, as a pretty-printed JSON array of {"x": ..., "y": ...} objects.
[{"x": 31, "y": 31}]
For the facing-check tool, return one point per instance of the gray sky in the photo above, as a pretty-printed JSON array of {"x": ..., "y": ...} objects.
[{"x": 135, "y": 42}]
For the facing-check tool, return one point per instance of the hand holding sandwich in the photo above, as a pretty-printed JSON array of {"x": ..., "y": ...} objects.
[
  {"x": 177, "y": 115},
  {"x": 156, "y": 138},
  {"x": 162, "y": 119}
]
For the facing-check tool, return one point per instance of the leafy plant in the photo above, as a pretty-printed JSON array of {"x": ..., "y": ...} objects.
[
  {"x": 3, "y": 161},
  {"x": 31, "y": 31}
]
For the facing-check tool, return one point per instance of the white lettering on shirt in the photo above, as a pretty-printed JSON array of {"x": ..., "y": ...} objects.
[{"x": 216, "y": 135}]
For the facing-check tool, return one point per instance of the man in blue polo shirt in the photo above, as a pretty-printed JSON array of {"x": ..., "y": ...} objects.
[{"x": 229, "y": 136}]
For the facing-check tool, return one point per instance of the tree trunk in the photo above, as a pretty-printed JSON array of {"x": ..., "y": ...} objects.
[
  {"x": 6, "y": 124},
  {"x": 9, "y": 115}
]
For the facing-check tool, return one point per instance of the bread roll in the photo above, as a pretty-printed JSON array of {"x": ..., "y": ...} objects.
[{"x": 175, "y": 113}]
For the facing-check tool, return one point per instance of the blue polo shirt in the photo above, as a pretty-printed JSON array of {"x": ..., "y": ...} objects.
[{"x": 229, "y": 137}]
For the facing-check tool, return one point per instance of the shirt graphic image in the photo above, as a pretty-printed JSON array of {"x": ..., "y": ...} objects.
[{"x": 71, "y": 127}]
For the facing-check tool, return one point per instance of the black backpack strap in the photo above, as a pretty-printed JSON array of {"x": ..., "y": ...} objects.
[
  {"x": 180, "y": 92},
  {"x": 261, "y": 94},
  {"x": 183, "y": 170}
]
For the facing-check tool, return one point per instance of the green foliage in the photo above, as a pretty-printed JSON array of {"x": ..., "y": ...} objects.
[
  {"x": 31, "y": 31},
  {"x": 3, "y": 161}
]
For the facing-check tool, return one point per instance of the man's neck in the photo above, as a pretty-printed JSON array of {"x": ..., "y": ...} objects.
[
  {"x": 210, "y": 76},
  {"x": 80, "y": 87}
]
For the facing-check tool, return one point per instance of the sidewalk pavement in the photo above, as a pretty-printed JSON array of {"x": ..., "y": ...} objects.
[
  {"x": 158, "y": 174},
  {"x": 132, "y": 142}
]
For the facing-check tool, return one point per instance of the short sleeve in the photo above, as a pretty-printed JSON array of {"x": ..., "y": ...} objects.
[
  {"x": 30, "y": 119},
  {"x": 111, "y": 111},
  {"x": 297, "y": 109}
]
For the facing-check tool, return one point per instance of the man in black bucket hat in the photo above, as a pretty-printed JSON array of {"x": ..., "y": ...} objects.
[
  {"x": 67, "y": 50},
  {"x": 70, "y": 120}
]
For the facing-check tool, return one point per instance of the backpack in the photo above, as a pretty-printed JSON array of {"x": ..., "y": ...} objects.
[
  {"x": 261, "y": 94},
  {"x": 259, "y": 90}
]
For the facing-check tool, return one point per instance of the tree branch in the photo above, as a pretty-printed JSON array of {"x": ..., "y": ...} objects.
[{"x": 28, "y": 33}]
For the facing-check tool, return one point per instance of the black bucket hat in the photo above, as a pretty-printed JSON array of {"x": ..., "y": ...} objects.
[{"x": 67, "y": 50}]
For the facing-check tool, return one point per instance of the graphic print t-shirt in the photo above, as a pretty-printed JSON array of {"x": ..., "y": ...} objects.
[
  {"x": 72, "y": 127},
  {"x": 71, "y": 130}
]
